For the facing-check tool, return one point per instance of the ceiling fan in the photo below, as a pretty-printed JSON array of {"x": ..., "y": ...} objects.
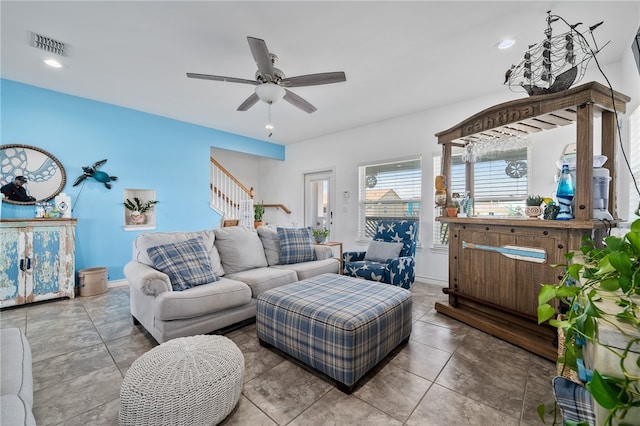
[{"x": 271, "y": 83}]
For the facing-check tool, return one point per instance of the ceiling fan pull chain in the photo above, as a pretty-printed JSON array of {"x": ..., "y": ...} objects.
[{"x": 269, "y": 126}]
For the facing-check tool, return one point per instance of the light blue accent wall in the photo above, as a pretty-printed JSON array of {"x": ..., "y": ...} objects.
[{"x": 144, "y": 151}]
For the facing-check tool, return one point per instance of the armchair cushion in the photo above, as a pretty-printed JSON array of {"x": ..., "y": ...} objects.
[
  {"x": 402, "y": 231},
  {"x": 295, "y": 245},
  {"x": 187, "y": 263},
  {"x": 380, "y": 251}
]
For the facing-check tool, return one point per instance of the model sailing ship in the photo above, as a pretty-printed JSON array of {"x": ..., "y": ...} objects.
[{"x": 556, "y": 63}]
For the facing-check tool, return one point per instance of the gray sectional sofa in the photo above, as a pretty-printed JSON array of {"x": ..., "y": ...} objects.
[
  {"x": 245, "y": 262},
  {"x": 16, "y": 399}
]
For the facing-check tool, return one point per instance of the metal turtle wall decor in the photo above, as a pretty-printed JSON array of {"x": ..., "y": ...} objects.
[{"x": 93, "y": 172}]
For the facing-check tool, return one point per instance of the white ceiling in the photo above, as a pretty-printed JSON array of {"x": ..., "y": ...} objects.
[{"x": 399, "y": 57}]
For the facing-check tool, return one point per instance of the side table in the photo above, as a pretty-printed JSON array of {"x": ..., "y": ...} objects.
[{"x": 333, "y": 244}]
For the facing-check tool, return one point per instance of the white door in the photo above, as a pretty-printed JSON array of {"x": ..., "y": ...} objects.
[{"x": 318, "y": 200}]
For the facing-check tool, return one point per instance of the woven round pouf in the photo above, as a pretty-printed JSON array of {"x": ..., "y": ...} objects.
[{"x": 186, "y": 381}]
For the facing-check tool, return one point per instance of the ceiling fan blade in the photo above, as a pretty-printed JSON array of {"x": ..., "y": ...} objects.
[
  {"x": 221, "y": 78},
  {"x": 314, "y": 79},
  {"x": 249, "y": 102},
  {"x": 262, "y": 57},
  {"x": 298, "y": 102}
]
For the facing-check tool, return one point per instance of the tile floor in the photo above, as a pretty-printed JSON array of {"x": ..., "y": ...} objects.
[{"x": 448, "y": 373}]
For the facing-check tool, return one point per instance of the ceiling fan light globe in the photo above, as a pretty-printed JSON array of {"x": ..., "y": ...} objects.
[{"x": 269, "y": 92}]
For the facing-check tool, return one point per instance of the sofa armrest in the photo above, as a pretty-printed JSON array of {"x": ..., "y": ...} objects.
[
  {"x": 148, "y": 280},
  {"x": 323, "y": 252},
  {"x": 353, "y": 256}
]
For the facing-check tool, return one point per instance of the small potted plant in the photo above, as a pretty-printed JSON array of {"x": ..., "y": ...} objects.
[
  {"x": 138, "y": 209},
  {"x": 452, "y": 206},
  {"x": 534, "y": 209},
  {"x": 258, "y": 212},
  {"x": 452, "y": 209},
  {"x": 320, "y": 235}
]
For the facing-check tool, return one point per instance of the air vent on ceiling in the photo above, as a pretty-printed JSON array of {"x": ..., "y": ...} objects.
[{"x": 47, "y": 44}]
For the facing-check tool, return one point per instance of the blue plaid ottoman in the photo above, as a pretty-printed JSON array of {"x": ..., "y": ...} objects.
[{"x": 339, "y": 325}]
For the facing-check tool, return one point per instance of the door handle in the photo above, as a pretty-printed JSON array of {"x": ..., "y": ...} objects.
[{"x": 25, "y": 264}]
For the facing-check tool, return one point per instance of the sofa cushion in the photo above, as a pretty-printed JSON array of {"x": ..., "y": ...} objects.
[
  {"x": 186, "y": 263},
  {"x": 306, "y": 270},
  {"x": 296, "y": 245},
  {"x": 152, "y": 239},
  {"x": 15, "y": 366},
  {"x": 263, "y": 279},
  {"x": 201, "y": 300},
  {"x": 240, "y": 249},
  {"x": 271, "y": 242},
  {"x": 380, "y": 251}
]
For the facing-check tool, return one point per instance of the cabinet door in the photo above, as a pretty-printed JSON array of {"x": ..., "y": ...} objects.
[
  {"x": 12, "y": 284},
  {"x": 486, "y": 273},
  {"x": 49, "y": 275}
]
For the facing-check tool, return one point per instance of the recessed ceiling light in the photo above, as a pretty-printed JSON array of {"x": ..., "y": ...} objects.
[
  {"x": 505, "y": 44},
  {"x": 53, "y": 63}
]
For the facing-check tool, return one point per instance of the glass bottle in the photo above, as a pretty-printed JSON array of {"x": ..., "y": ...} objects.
[
  {"x": 39, "y": 210},
  {"x": 564, "y": 194}
]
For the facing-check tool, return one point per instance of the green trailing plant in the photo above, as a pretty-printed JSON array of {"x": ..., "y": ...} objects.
[
  {"x": 534, "y": 200},
  {"x": 613, "y": 273},
  {"x": 258, "y": 212},
  {"x": 138, "y": 206}
]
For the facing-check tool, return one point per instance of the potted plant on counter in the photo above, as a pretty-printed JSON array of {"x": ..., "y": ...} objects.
[
  {"x": 533, "y": 209},
  {"x": 138, "y": 209},
  {"x": 320, "y": 235}
]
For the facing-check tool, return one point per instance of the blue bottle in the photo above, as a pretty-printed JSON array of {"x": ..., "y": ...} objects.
[{"x": 564, "y": 194}]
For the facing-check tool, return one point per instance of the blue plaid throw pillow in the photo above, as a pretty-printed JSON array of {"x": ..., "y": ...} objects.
[
  {"x": 187, "y": 263},
  {"x": 574, "y": 401},
  {"x": 295, "y": 245}
]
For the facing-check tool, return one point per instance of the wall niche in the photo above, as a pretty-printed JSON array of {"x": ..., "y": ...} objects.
[{"x": 139, "y": 219}]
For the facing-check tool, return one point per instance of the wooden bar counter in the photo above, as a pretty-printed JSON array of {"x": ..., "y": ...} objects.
[
  {"x": 496, "y": 268},
  {"x": 497, "y": 265}
]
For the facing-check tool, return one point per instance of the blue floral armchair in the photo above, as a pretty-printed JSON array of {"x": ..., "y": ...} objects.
[{"x": 398, "y": 271}]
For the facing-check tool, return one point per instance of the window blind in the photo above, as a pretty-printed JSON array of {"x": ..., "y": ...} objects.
[{"x": 389, "y": 190}]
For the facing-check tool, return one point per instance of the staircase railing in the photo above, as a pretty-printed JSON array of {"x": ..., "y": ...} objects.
[{"x": 229, "y": 197}]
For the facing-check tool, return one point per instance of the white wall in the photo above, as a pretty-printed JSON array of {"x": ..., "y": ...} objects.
[{"x": 401, "y": 137}]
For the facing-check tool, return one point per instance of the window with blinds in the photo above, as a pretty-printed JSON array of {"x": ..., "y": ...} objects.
[
  {"x": 500, "y": 183},
  {"x": 389, "y": 190}
]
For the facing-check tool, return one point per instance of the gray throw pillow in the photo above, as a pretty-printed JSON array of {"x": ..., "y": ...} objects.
[
  {"x": 380, "y": 251},
  {"x": 271, "y": 242},
  {"x": 240, "y": 249}
]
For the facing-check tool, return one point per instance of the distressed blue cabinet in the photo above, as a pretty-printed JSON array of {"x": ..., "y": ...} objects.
[{"x": 37, "y": 260}]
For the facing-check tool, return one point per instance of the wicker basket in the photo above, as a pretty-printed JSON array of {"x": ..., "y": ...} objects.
[{"x": 563, "y": 369}]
